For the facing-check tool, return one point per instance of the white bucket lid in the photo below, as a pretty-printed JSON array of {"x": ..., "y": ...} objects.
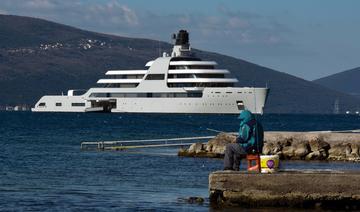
[{"x": 269, "y": 156}]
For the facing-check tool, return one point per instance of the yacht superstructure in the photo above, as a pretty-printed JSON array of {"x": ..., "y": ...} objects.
[{"x": 176, "y": 83}]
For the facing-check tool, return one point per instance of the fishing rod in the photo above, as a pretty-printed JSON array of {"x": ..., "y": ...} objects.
[
  {"x": 119, "y": 145},
  {"x": 219, "y": 131}
]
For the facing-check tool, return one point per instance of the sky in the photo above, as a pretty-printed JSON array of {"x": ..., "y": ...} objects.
[{"x": 309, "y": 39}]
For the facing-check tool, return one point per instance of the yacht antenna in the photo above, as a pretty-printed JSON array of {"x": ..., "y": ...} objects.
[
  {"x": 336, "y": 106},
  {"x": 254, "y": 91},
  {"x": 173, "y": 38},
  {"x": 159, "y": 47},
  {"x": 173, "y": 41}
]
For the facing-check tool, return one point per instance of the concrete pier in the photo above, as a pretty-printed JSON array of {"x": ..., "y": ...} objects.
[{"x": 300, "y": 189}]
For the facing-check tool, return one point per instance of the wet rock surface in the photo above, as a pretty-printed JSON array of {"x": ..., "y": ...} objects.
[
  {"x": 192, "y": 200},
  {"x": 289, "y": 145}
]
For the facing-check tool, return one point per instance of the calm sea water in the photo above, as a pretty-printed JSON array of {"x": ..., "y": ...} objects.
[{"x": 43, "y": 169}]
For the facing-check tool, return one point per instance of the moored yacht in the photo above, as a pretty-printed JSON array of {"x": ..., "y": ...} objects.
[{"x": 176, "y": 83}]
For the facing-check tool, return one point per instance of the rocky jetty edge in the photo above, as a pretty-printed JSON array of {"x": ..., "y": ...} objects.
[{"x": 332, "y": 146}]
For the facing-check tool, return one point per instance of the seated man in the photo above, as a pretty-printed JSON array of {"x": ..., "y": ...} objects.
[{"x": 250, "y": 141}]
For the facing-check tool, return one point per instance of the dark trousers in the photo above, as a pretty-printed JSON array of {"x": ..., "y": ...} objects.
[{"x": 233, "y": 154}]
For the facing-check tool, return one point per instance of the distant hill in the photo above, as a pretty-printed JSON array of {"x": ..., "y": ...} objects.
[
  {"x": 346, "y": 81},
  {"x": 39, "y": 57}
]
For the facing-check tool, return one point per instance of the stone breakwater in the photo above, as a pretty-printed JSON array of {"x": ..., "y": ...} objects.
[{"x": 289, "y": 145}]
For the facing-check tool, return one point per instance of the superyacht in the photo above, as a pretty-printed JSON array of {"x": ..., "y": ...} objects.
[{"x": 175, "y": 83}]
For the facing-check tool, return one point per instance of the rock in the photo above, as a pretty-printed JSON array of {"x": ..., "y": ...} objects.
[
  {"x": 285, "y": 142},
  {"x": 280, "y": 154},
  {"x": 318, "y": 144},
  {"x": 197, "y": 200},
  {"x": 288, "y": 152},
  {"x": 295, "y": 151},
  {"x": 339, "y": 151},
  {"x": 344, "y": 151},
  {"x": 316, "y": 155},
  {"x": 219, "y": 149},
  {"x": 195, "y": 148},
  {"x": 348, "y": 150},
  {"x": 301, "y": 150},
  {"x": 218, "y": 144},
  {"x": 268, "y": 148},
  {"x": 355, "y": 150},
  {"x": 208, "y": 147},
  {"x": 313, "y": 155},
  {"x": 271, "y": 148},
  {"x": 277, "y": 148},
  {"x": 192, "y": 200},
  {"x": 185, "y": 153},
  {"x": 323, "y": 155}
]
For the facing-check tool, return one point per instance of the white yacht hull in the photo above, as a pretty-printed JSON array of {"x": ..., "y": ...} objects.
[{"x": 213, "y": 101}]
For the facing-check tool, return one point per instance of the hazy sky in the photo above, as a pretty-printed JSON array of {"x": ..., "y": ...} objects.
[{"x": 305, "y": 38}]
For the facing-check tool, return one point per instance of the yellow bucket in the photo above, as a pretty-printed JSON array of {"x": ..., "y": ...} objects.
[{"x": 269, "y": 163}]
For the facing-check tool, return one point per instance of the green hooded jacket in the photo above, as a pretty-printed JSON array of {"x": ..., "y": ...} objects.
[{"x": 251, "y": 133}]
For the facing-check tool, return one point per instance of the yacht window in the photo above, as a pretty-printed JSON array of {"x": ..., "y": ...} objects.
[
  {"x": 98, "y": 95},
  {"x": 194, "y": 94},
  {"x": 148, "y": 95},
  {"x": 173, "y": 85},
  {"x": 185, "y": 59},
  {"x": 119, "y": 85},
  {"x": 129, "y": 76},
  {"x": 131, "y": 95},
  {"x": 240, "y": 105},
  {"x": 112, "y": 95},
  {"x": 78, "y": 104},
  {"x": 191, "y": 67},
  {"x": 155, "y": 77},
  {"x": 58, "y": 104},
  {"x": 171, "y": 76},
  {"x": 181, "y": 95},
  {"x": 42, "y": 104},
  {"x": 201, "y": 67},
  {"x": 128, "y": 85}
]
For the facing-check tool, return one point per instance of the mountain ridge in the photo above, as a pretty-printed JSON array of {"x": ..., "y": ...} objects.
[
  {"x": 346, "y": 81},
  {"x": 76, "y": 58}
]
